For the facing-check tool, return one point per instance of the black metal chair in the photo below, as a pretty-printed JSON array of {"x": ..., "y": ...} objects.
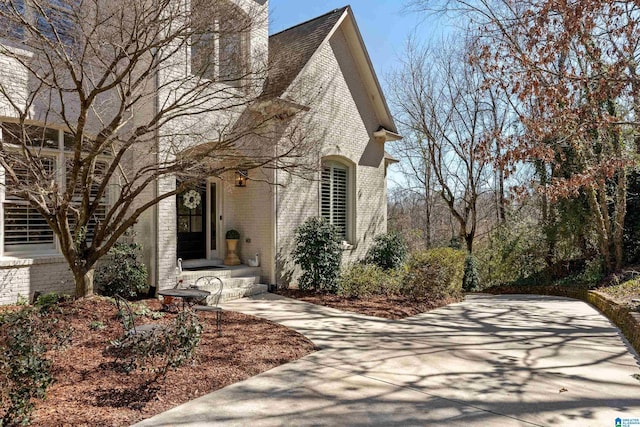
[
  {"x": 214, "y": 285},
  {"x": 128, "y": 319}
]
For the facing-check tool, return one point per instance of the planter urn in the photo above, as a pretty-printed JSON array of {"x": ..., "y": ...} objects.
[{"x": 232, "y": 257}]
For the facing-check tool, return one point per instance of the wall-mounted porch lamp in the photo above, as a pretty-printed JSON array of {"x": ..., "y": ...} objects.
[{"x": 241, "y": 177}]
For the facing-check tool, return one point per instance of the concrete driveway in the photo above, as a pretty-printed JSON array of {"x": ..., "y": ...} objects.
[{"x": 488, "y": 361}]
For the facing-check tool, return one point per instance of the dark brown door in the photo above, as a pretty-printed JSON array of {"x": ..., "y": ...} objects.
[{"x": 191, "y": 224}]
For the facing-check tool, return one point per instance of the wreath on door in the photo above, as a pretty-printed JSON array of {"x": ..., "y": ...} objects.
[{"x": 191, "y": 199}]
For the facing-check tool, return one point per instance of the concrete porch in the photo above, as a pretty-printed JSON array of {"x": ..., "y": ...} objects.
[{"x": 238, "y": 281}]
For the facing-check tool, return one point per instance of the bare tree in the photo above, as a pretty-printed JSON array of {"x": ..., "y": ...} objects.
[
  {"x": 573, "y": 66},
  {"x": 454, "y": 121},
  {"x": 109, "y": 98}
]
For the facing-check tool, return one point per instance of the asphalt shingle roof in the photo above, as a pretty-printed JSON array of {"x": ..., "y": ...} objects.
[{"x": 291, "y": 49}]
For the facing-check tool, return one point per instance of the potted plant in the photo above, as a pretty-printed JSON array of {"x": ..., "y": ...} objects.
[{"x": 232, "y": 237}]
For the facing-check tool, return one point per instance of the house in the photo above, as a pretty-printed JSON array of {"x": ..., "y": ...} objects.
[{"x": 320, "y": 68}]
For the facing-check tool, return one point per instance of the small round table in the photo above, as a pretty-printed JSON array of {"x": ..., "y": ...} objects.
[{"x": 190, "y": 297}]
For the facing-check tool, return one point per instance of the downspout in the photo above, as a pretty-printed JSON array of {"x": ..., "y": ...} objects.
[
  {"x": 156, "y": 191},
  {"x": 274, "y": 275}
]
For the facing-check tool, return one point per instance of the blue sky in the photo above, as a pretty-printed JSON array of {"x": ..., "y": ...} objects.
[{"x": 383, "y": 24}]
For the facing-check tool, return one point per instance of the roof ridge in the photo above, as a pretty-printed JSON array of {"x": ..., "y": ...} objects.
[{"x": 341, "y": 9}]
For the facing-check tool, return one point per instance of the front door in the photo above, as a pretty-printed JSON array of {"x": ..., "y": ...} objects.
[{"x": 192, "y": 213}]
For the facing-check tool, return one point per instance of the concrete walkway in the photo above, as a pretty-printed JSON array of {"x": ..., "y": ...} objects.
[{"x": 488, "y": 361}]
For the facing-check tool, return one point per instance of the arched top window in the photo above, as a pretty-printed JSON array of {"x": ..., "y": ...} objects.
[
  {"x": 220, "y": 42},
  {"x": 336, "y": 196}
]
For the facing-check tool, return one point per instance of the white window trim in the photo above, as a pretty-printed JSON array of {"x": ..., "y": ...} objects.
[
  {"x": 60, "y": 155},
  {"x": 344, "y": 163}
]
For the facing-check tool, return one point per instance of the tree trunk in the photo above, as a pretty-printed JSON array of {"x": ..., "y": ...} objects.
[
  {"x": 84, "y": 282},
  {"x": 618, "y": 220},
  {"x": 501, "y": 202},
  {"x": 468, "y": 238},
  {"x": 602, "y": 229}
]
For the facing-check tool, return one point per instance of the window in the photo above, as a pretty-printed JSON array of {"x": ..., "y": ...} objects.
[
  {"x": 49, "y": 17},
  {"x": 25, "y": 230},
  {"x": 24, "y": 227},
  {"x": 335, "y": 197},
  {"x": 219, "y": 45},
  {"x": 103, "y": 204}
]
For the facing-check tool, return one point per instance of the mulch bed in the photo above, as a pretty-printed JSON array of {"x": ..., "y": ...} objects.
[
  {"x": 388, "y": 307},
  {"x": 88, "y": 391}
]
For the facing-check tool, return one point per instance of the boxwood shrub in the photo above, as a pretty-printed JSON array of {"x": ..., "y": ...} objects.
[{"x": 435, "y": 274}]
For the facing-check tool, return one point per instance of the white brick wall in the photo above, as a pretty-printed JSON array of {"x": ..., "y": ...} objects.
[
  {"x": 22, "y": 277},
  {"x": 156, "y": 229},
  {"x": 343, "y": 122},
  {"x": 242, "y": 207},
  {"x": 250, "y": 211}
]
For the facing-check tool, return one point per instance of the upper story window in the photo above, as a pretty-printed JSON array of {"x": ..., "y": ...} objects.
[
  {"x": 50, "y": 18},
  {"x": 220, "y": 42},
  {"x": 24, "y": 229},
  {"x": 335, "y": 197}
]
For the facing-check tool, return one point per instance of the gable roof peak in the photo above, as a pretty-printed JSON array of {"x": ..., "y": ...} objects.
[
  {"x": 339, "y": 11},
  {"x": 291, "y": 49}
]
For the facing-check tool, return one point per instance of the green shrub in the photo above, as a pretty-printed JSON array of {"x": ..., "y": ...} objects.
[
  {"x": 433, "y": 275},
  {"x": 363, "y": 280},
  {"x": 471, "y": 281},
  {"x": 317, "y": 251},
  {"x": 96, "y": 325},
  {"x": 232, "y": 235},
  {"x": 161, "y": 349},
  {"x": 25, "y": 370},
  {"x": 122, "y": 274},
  {"x": 593, "y": 272},
  {"x": 49, "y": 302},
  {"x": 388, "y": 252},
  {"x": 515, "y": 250}
]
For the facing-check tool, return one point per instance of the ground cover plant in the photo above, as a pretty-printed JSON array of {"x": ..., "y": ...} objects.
[
  {"x": 88, "y": 388},
  {"x": 625, "y": 292}
]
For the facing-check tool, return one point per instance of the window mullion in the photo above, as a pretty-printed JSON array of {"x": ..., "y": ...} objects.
[{"x": 216, "y": 49}]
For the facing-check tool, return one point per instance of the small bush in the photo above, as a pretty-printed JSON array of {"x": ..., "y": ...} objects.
[
  {"x": 25, "y": 336},
  {"x": 364, "y": 280},
  {"x": 593, "y": 272},
  {"x": 433, "y": 275},
  {"x": 48, "y": 302},
  {"x": 96, "y": 325},
  {"x": 471, "y": 281},
  {"x": 232, "y": 235},
  {"x": 388, "y": 252},
  {"x": 161, "y": 349},
  {"x": 317, "y": 251},
  {"x": 122, "y": 274}
]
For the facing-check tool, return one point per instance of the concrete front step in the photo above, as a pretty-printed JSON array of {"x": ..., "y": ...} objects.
[
  {"x": 189, "y": 276},
  {"x": 237, "y": 282},
  {"x": 237, "y": 293}
]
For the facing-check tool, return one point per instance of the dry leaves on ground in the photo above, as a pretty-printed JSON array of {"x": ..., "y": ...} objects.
[
  {"x": 88, "y": 391},
  {"x": 388, "y": 307}
]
